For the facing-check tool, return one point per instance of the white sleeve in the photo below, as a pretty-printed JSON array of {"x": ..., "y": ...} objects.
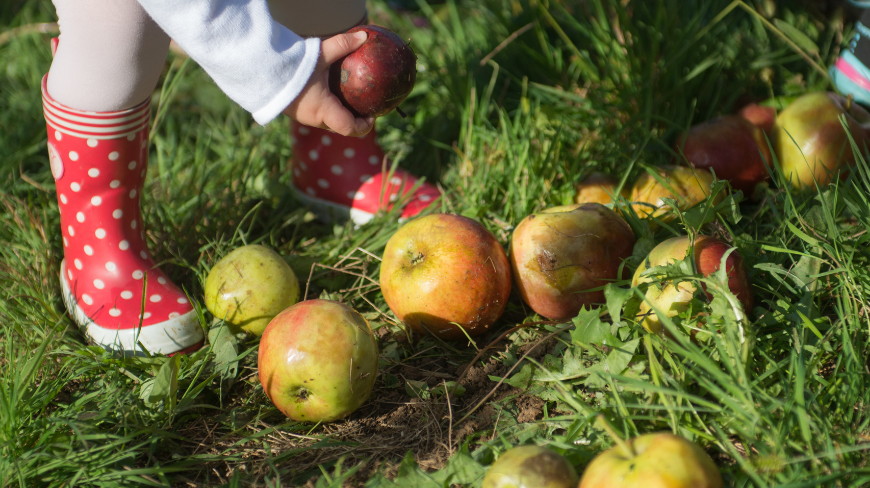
[{"x": 257, "y": 62}]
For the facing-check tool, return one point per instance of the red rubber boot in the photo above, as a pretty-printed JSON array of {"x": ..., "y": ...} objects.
[
  {"x": 111, "y": 285},
  {"x": 344, "y": 177}
]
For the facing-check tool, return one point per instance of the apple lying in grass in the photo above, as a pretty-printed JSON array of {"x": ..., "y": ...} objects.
[
  {"x": 598, "y": 188},
  {"x": 445, "y": 274},
  {"x": 686, "y": 186},
  {"x": 658, "y": 460},
  {"x": 532, "y": 467},
  {"x": 673, "y": 298},
  {"x": 733, "y": 148},
  {"x": 561, "y": 254},
  {"x": 249, "y": 286},
  {"x": 374, "y": 79},
  {"x": 318, "y": 361},
  {"x": 761, "y": 116},
  {"x": 810, "y": 142}
]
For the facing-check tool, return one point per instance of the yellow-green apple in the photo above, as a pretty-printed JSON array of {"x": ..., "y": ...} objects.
[
  {"x": 673, "y": 298},
  {"x": 374, "y": 79},
  {"x": 733, "y": 148},
  {"x": 598, "y": 188},
  {"x": 249, "y": 286},
  {"x": 657, "y": 460},
  {"x": 530, "y": 467},
  {"x": 318, "y": 361},
  {"x": 810, "y": 142},
  {"x": 445, "y": 274},
  {"x": 685, "y": 185},
  {"x": 559, "y": 256}
]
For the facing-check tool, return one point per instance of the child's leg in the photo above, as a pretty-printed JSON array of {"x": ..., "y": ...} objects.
[
  {"x": 97, "y": 109},
  {"x": 344, "y": 177},
  {"x": 851, "y": 72}
]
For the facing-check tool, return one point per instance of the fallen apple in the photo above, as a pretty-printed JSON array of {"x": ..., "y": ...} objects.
[
  {"x": 598, "y": 188},
  {"x": 761, "y": 116},
  {"x": 318, "y": 361},
  {"x": 530, "y": 467},
  {"x": 445, "y": 274},
  {"x": 559, "y": 256},
  {"x": 249, "y": 286},
  {"x": 657, "y": 460},
  {"x": 810, "y": 142},
  {"x": 673, "y": 298},
  {"x": 376, "y": 78},
  {"x": 686, "y": 186},
  {"x": 733, "y": 148}
]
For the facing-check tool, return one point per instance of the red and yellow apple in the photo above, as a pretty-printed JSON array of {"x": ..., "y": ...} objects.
[
  {"x": 733, "y": 148},
  {"x": 445, "y": 274},
  {"x": 673, "y": 298},
  {"x": 559, "y": 256},
  {"x": 530, "y": 467},
  {"x": 598, "y": 188},
  {"x": 318, "y": 361},
  {"x": 810, "y": 142},
  {"x": 657, "y": 460},
  {"x": 374, "y": 79},
  {"x": 686, "y": 186},
  {"x": 249, "y": 286},
  {"x": 761, "y": 116}
]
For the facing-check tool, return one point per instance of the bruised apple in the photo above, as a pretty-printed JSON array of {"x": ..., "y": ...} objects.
[
  {"x": 249, "y": 286},
  {"x": 810, "y": 142},
  {"x": 671, "y": 298},
  {"x": 730, "y": 146},
  {"x": 532, "y": 467},
  {"x": 561, "y": 254},
  {"x": 374, "y": 79},
  {"x": 318, "y": 361},
  {"x": 445, "y": 274},
  {"x": 657, "y": 460},
  {"x": 598, "y": 188},
  {"x": 684, "y": 185}
]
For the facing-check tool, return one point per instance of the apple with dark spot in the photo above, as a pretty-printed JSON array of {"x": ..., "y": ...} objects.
[
  {"x": 318, "y": 361},
  {"x": 562, "y": 256},
  {"x": 530, "y": 467},
  {"x": 378, "y": 76}
]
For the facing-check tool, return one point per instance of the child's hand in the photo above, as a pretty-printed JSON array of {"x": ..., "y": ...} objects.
[{"x": 317, "y": 106}]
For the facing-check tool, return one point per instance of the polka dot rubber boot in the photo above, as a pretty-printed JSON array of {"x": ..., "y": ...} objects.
[
  {"x": 345, "y": 177},
  {"x": 111, "y": 285}
]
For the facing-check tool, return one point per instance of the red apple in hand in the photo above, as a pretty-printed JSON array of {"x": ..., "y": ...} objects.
[
  {"x": 318, "y": 361},
  {"x": 671, "y": 298},
  {"x": 374, "y": 79},
  {"x": 811, "y": 144},
  {"x": 559, "y": 255},
  {"x": 733, "y": 148},
  {"x": 445, "y": 274}
]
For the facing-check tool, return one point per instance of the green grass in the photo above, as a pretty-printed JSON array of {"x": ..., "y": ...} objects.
[{"x": 517, "y": 101}]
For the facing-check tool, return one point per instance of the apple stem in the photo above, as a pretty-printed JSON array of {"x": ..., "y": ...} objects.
[
  {"x": 401, "y": 112},
  {"x": 605, "y": 425}
]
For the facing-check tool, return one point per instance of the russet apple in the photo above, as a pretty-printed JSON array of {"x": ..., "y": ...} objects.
[
  {"x": 318, "y": 361},
  {"x": 685, "y": 185},
  {"x": 733, "y": 148},
  {"x": 657, "y": 460},
  {"x": 560, "y": 255},
  {"x": 249, "y": 286},
  {"x": 810, "y": 142},
  {"x": 530, "y": 467},
  {"x": 374, "y": 79},
  {"x": 445, "y": 274},
  {"x": 670, "y": 298},
  {"x": 598, "y": 188}
]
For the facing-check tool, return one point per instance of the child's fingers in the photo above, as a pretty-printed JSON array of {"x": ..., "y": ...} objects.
[
  {"x": 340, "y": 120},
  {"x": 339, "y": 46}
]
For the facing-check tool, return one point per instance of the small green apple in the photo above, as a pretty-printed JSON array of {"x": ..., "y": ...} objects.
[
  {"x": 530, "y": 467},
  {"x": 658, "y": 460},
  {"x": 318, "y": 361},
  {"x": 810, "y": 142},
  {"x": 249, "y": 286}
]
